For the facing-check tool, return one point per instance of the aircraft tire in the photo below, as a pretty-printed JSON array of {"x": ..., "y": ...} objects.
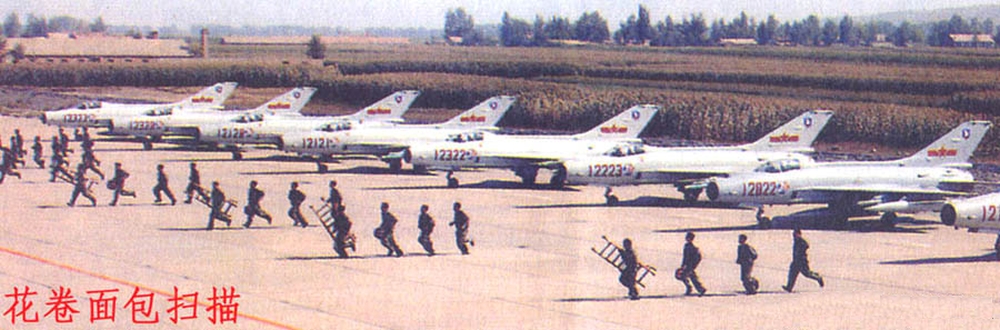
[
  {"x": 395, "y": 165},
  {"x": 888, "y": 219},
  {"x": 691, "y": 196},
  {"x": 764, "y": 223},
  {"x": 321, "y": 168},
  {"x": 147, "y": 144},
  {"x": 452, "y": 183}
]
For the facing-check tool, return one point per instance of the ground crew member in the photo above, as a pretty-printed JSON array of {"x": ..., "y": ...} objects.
[
  {"x": 217, "y": 202},
  {"x": 335, "y": 197},
  {"x": 56, "y": 146},
  {"x": 295, "y": 198},
  {"x": 7, "y": 163},
  {"x": 800, "y": 262},
  {"x": 194, "y": 184},
  {"x": 90, "y": 162},
  {"x": 37, "y": 152},
  {"x": 58, "y": 165},
  {"x": 461, "y": 224},
  {"x": 341, "y": 229},
  {"x": 162, "y": 186},
  {"x": 117, "y": 183},
  {"x": 745, "y": 256},
  {"x": 426, "y": 225},
  {"x": 63, "y": 142},
  {"x": 631, "y": 263},
  {"x": 80, "y": 187},
  {"x": 692, "y": 257},
  {"x": 385, "y": 230},
  {"x": 18, "y": 144},
  {"x": 253, "y": 207}
]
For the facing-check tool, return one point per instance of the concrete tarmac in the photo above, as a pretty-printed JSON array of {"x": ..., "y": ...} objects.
[{"x": 531, "y": 266}]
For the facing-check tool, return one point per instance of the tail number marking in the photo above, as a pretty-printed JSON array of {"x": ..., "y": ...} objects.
[
  {"x": 990, "y": 213},
  {"x": 763, "y": 188},
  {"x": 454, "y": 155},
  {"x": 235, "y": 133},
  {"x": 145, "y": 125},
  {"x": 318, "y": 143},
  {"x": 610, "y": 170},
  {"x": 79, "y": 118}
]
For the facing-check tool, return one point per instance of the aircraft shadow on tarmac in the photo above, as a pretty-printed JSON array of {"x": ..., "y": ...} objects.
[
  {"x": 488, "y": 184},
  {"x": 644, "y": 201},
  {"x": 859, "y": 226},
  {"x": 989, "y": 257}
]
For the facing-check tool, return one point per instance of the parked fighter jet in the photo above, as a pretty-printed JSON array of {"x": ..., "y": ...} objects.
[
  {"x": 154, "y": 124},
  {"x": 526, "y": 154},
  {"x": 919, "y": 183},
  {"x": 687, "y": 168},
  {"x": 267, "y": 128},
  {"x": 978, "y": 214},
  {"x": 392, "y": 143},
  {"x": 101, "y": 114}
]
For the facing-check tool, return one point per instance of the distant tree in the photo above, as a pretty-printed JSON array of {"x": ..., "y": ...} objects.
[
  {"x": 591, "y": 27},
  {"x": 831, "y": 33},
  {"x": 457, "y": 23},
  {"x": 694, "y": 31},
  {"x": 718, "y": 31},
  {"x": 538, "y": 35},
  {"x": 66, "y": 24},
  {"x": 37, "y": 27},
  {"x": 812, "y": 30},
  {"x": 12, "y": 26},
  {"x": 869, "y": 33},
  {"x": 904, "y": 34},
  {"x": 514, "y": 32},
  {"x": 767, "y": 33},
  {"x": 98, "y": 25},
  {"x": 559, "y": 28},
  {"x": 315, "y": 49},
  {"x": 643, "y": 28},
  {"x": 626, "y": 33},
  {"x": 849, "y": 34},
  {"x": 667, "y": 34}
]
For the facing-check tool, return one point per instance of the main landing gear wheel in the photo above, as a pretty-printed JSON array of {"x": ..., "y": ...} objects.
[
  {"x": 147, "y": 144},
  {"x": 888, "y": 220},
  {"x": 558, "y": 177},
  {"x": 452, "y": 181},
  {"x": 321, "y": 167},
  {"x": 763, "y": 222},
  {"x": 527, "y": 174},
  {"x": 609, "y": 198},
  {"x": 237, "y": 155},
  {"x": 395, "y": 165},
  {"x": 691, "y": 195}
]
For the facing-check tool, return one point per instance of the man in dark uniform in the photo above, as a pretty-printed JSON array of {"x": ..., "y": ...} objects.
[
  {"x": 461, "y": 224},
  {"x": 341, "y": 229},
  {"x": 692, "y": 257},
  {"x": 745, "y": 256},
  {"x": 800, "y": 262},
  {"x": 80, "y": 187},
  {"x": 90, "y": 162},
  {"x": 426, "y": 225},
  {"x": 63, "y": 142},
  {"x": 58, "y": 165},
  {"x": 631, "y": 263},
  {"x": 194, "y": 184},
  {"x": 117, "y": 183},
  {"x": 385, "y": 230},
  {"x": 253, "y": 207},
  {"x": 18, "y": 144},
  {"x": 7, "y": 163},
  {"x": 335, "y": 197},
  {"x": 56, "y": 146},
  {"x": 37, "y": 152},
  {"x": 217, "y": 201},
  {"x": 162, "y": 186},
  {"x": 295, "y": 198}
]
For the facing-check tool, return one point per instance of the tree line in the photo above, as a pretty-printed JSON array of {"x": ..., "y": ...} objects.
[{"x": 696, "y": 30}]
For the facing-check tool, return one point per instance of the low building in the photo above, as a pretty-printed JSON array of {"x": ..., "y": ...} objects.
[
  {"x": 972, "y": 40},
  {"x": 729, "y": 42},
  {"x": 68, "y": 47}
]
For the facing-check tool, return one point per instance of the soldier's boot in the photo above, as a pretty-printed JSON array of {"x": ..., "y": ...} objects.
[
  {"x": 820, "y": 280},
  {"x": 786, "y": 288}
]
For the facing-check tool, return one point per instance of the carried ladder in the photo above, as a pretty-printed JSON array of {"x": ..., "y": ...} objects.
[
  {"x": 611, "y": 252},
  {"x": 325, "y": 215},
  {"x": 227, "y": 207}
]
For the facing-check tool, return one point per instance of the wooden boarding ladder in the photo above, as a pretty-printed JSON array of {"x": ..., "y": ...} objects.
[
  {"x": 226, "y": 209},
  {"x": 612, "y": 254},
  {"x": 325, "y": 215}
]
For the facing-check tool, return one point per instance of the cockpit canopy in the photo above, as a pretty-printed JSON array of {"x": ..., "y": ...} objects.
[
  {"x": 89, "y": 105},
  {"x": 781, "y": 165},
  {"x": 160, "y": 112},
  {"x": 465, "y": 137},
  {"x": 625, "y": 150},
  {"x": 336, "y": 127},
  {"x": 250, "y": 118}
]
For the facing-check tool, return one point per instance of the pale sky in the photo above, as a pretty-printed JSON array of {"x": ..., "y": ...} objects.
[{"x": 354, "y": 14}]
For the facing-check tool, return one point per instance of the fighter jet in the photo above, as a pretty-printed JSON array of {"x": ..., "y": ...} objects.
[
  {"x": 392, "y": 143},
  {"x": 152, "y": 125},
  {"x": 688, "y": 168},
  {"x": 978, "y": 214},
  {"x": 266, "y": 127},
  {"x": 919, "y": 183},
  {"x": 526, "y": 154},
  {"x": 96, "y": 114}
]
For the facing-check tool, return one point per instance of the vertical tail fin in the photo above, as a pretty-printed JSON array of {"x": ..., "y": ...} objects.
[
  {"x": 953, "y": 148},
  {"x": 291, "y": 102},
  {"x": 626, "y": 125},
  {"x": 390, "y": 108},
  {"x": 212, "y": 96},
  {"x": 485, "y": 114},
  {"x": 796, "y": 135}
]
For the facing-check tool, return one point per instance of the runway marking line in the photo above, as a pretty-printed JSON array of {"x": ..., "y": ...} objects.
[{"x": 127, "y": 283}]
